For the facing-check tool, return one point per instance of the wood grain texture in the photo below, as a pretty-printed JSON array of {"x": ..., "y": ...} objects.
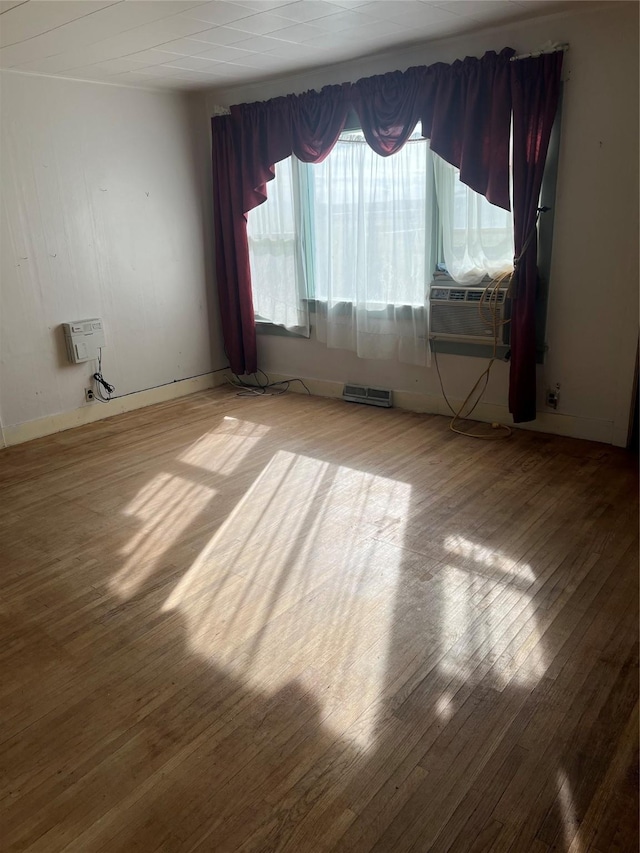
[{"x": 292, "y": 624}]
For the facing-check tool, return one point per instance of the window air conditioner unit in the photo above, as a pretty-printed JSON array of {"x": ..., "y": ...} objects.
[{"x": 455, "y": 313}]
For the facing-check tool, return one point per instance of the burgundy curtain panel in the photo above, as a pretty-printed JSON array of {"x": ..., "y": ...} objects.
[
  {"x": 467, "y": 117},
  {"x": 535, "y": 88},
  {"x": 246, "y": 146},
  {"x": 231, "y": 247},
  {"x": 465, "y": 109}
]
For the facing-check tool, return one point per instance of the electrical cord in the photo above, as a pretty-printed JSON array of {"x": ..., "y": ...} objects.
[
  {"x": 493, "y": 289},
  {"x": 265, "y": 388},
  {"x": 102, "y": 386}
]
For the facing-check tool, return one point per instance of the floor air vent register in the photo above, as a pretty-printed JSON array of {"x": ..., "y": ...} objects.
[{"x": 370, "y": 396}]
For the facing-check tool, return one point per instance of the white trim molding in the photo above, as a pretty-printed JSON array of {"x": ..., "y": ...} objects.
[
  {"x": 95, "y": 411},
  {"x": 555, "y": 423}
]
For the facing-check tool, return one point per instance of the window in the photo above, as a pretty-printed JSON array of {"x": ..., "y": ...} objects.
[
  {"x": 476, "y": 237},
  {"x": 370, "y": 223},
  {"x": 275, "y": 252},
  {"x": 361, "y": 235}
]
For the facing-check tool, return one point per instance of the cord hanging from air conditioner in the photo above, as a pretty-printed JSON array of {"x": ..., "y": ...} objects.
[{"x": 493, "y": 289}]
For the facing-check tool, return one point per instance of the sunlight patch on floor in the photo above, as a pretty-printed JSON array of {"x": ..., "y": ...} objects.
[
  {"x": 570, "y": 821},
  {"x": 223, "y": 449},
  {"x": 487, "y": 607},
  {"x": 489, "y": 557},
  {"x": 444, "y": 706},
  {"x": 164, "y": 509},
  {"x": 294, "y": 586}
]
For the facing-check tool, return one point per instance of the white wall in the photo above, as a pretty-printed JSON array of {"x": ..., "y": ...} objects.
[
  {"x": 104, "y": 213},
  {"x": 592, "y": 326}
]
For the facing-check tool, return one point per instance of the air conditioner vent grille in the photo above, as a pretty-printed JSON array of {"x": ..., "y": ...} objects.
[
  {"x": 454, "y": 313},
  {"x": 489, "y": 296}
]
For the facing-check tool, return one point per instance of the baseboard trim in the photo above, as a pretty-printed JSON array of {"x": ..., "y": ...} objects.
[
  {"x": 555, "y": 423},
  {"x": 91, "y": 412}
]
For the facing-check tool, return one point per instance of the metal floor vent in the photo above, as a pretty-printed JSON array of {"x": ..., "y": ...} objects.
[{"x": 370, "y": 396}]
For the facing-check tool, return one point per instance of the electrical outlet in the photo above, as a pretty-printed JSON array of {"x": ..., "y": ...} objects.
[
  {"x": 553, "y": 396},
  {"x": 89, "y": 395}
]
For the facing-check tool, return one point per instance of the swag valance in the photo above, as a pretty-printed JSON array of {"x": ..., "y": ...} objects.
[{"x": 466, "y": 110}]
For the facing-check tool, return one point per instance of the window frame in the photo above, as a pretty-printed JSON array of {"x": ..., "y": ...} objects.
[
  {"x": 353, "y": 125},
  {"x": 545, "y": 246}
]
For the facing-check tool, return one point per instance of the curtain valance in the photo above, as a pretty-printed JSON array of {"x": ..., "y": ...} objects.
[{"x": 465, "y": 109}]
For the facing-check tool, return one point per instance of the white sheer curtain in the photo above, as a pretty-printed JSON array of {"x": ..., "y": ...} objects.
[
  {"x": 372, "y": 228},
  {"x": 477, "y": 237},
  {"x": 359, "y": 233},
  {"x": 275, "y": 254}
]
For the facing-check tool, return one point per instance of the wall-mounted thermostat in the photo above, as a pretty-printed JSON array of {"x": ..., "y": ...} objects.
[{"x": 83, "y": 339}]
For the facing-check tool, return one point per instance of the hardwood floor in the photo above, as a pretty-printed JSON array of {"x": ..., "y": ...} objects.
[{"x": 259, "y": 624}]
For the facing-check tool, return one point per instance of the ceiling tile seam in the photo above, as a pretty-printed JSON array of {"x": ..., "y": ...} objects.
[
  {"x": 88, "y": 82},
  {"x": 161, "y": 63},
  {"x": 286, "y": 22},
  {"x": 90, "y": 44},
  {"x": 15, "y": 7},
  {"x": 59, "y": 27},
  {"x": 188, "y": 13},
  {"x": 130, "y": 55},
  {"x": 143, "y": 68},
  {"x": 158, "y": 46},
  {"x": 122, "y": 55}
]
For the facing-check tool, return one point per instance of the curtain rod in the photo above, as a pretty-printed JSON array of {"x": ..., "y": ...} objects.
[{"x": 550, "y": 48}]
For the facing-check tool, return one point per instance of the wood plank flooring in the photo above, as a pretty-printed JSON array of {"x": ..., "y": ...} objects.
[{"x": 295, "y": 624}]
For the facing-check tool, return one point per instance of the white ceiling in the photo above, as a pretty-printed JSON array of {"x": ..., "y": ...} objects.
[{"x": 186, "y": 44}]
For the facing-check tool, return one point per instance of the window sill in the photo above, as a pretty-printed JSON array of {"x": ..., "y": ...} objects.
[
  {"x": 375, "y": 312},
  {"x": 265, "y": 328}
]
